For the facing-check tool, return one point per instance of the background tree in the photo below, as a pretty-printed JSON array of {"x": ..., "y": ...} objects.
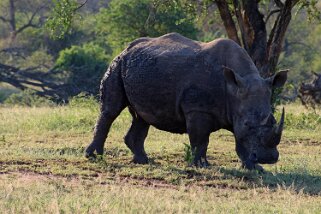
[
  {"x": 42, "y": 57},
  {"x": 126, "y": 20},
  {"x": 82, "y": 68},
  {"x": 20, "y": 15}
]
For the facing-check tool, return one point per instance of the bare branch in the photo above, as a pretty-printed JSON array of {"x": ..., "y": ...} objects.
[
  {"x": 81, "y": 5},
  {"x": 279, "y": 3},
  {"x": 271, "y": 13},
  {"x": 245, "y": 38},
  {"x": 272, "y": 33},
  {"x": 3, "y": 19},
  {"x": 30, "y": 24},
  {"x": 277, "y": 35}
]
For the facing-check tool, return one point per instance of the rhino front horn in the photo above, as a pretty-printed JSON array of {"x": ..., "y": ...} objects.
[
  {"x": 280, "y": 126},
  {"x": 278, "y": 131}
]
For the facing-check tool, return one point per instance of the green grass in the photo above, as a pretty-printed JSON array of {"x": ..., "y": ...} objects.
[{"x": 42, "y": 168}]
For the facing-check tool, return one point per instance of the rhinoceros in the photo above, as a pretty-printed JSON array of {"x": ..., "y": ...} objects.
[{"x": 184, "y": 86}]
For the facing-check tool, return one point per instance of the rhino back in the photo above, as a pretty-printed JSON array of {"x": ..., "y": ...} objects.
[{"x": 164, "y": 74}]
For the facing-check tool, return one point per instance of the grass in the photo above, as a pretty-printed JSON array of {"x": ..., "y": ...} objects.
[{"x": 42, "y": 168}]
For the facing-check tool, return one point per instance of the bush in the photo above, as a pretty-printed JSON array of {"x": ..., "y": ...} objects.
[
  {"x": 28, "y": 98},
  {"x": 310, "y": 121},
  {"x": 6, "y": 92},
  {"x": 84, "y": 67},
  {"x": 302, "y": 121},
  {"x": 84, "y": 100}
]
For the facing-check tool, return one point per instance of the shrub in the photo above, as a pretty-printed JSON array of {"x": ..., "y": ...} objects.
[
  {"x": 6, "y": 92},
  {"x": 83, "y": 100},
  {"x": 84, "y": 66},
  {"x": 28, "y": 98}
]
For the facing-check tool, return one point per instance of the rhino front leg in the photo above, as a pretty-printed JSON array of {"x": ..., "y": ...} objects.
[{"x": 199, "y": 126}]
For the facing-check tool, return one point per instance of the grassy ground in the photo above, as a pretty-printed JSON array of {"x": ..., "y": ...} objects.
[{"x": 42, "y": 168}]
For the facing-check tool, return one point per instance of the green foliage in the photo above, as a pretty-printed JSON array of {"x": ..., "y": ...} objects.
[
  {"x": 303, "y": 121},
  {"x": 39, "y": 59},
  {"x": 83, "y": 100},
  {"x": 276, "y": 100},
  {"x": 121, "y": 21},
  {"x": 126, "y": 20},
  {"x": 59, "y": 23},
  {"x": 301, "y": 51},
  {"x": 5, "y": 92},
  {"x": 28, "y": 98},
  {"x": 84, "y": 66},
  {"x": 311, "y": 7},
  {"x": 188, "y": 154}
]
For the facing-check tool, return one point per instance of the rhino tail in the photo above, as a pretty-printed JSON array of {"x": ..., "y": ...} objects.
[{"x": 112, "y": 81}]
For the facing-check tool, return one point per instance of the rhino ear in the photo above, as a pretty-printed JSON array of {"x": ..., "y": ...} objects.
[
  {"x": 279, "y": 79},
  {"x": 233, "y": 78}
]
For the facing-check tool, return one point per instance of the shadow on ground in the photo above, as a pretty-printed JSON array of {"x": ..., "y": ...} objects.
[{"x": 305, "y": 182}]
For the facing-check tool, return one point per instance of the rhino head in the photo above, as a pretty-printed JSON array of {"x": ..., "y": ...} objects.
[{"x": 256, "y": 131}]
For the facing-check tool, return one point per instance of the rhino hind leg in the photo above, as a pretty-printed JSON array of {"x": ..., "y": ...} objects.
[
  {"x": 135, "y": 139},
  {"x": 100, "y": 134},
  {"x": 199, "y": 126},
  {"x": 113, "y": 101}
]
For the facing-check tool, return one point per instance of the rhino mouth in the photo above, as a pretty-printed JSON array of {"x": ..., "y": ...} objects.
[
  {"x": 253, "y": 160},
  {"x": 271, "y": 159}
]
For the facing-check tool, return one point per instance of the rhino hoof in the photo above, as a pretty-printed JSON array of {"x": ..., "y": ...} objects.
[
  {"x": 140, "y": 159},
  {"x": 248, "y": 165},
  {"x": 92, "y": 150},
  {"x": 259, "y": 168},
  {"x": 201, "y": 164},
  {"x": 90, "y": 156},
  {"x": 252, "y": 166}
]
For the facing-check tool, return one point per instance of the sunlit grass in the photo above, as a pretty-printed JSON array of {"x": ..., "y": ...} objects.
[{"x": 42, "y": 167}]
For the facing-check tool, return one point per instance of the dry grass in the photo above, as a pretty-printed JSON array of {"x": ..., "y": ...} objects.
[{"x": 42, "y": 169}]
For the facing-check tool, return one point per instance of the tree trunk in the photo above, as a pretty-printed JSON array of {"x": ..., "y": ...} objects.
[
  {"x": 12, "y": 21},
  {"x": 227, "y": 20},
  {"x": 264, "y": 51}
]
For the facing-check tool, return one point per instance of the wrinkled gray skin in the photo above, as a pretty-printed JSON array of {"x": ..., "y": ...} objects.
[{"x": 182, "y": 86}]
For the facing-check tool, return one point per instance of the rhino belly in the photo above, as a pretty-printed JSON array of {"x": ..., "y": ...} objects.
[{"x": 151, "y": 92}]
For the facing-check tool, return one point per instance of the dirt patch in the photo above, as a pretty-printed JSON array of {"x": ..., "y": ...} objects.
[
  {"x": 30, "y": 178},
  {"x": 303, "y": 141}
]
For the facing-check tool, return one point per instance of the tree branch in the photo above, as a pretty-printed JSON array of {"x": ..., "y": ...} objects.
[
  {"x": 81, "y": 5},
  {"x": 4, "y": 19},
  {"x": 279, "y": 34},
  {"x": 227, "y": 20},
  {"x": 279, "y": 3},
  {"x": 29, "y": 24},
  {"x": 245, "y": 37},
  {"x": 23, "y": 79},
  {"x": 272, "y": 33},
  {"x": 271, "y": 13}
]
